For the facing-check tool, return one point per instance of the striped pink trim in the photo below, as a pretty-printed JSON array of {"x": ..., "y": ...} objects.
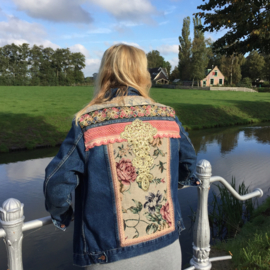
[{"x": 111, "y": 133}]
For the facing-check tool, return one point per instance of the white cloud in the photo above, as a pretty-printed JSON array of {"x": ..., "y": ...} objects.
[
  {"x": 99, "y": 31},
  {"x": 55, "y": 10},
  {"x": 72, "y": 11},
  {"x": 99, "y": 53},
  {"x": 131, "y": 11},
  {"x": 170, "y": 10},
  {"x": 17, "y": 31},
  {"x": 123, "y": 42},
  {"x": 92, "y": 66},
  {"x": 80, "y": 48},
  {"x": 167, "y": 49},
  {"x": 174, "y": 62},
  {"x": 162, "y": 23}
]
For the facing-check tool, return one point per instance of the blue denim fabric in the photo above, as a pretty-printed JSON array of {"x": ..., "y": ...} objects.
[{"x": 89, "y": 174}]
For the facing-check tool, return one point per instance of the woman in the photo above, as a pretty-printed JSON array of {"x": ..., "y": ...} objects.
[{"x": 125, "y": 156}]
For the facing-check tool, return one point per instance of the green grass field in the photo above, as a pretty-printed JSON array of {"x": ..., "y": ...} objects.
[{"x": 33, "y": 116}]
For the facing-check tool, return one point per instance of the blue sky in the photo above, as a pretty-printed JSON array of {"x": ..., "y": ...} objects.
[{"x": 91, "y": 26}]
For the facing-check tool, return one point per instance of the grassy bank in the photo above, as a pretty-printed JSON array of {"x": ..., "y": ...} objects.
[
  {"x": 37, "y": 116},
  {"x": 251, "y": 247}
]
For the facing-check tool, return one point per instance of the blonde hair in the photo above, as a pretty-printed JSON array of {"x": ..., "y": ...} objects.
[{"x": 121, "y": 66}]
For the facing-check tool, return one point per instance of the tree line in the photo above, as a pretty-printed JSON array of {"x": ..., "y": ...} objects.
[
  {"x": 36, "y": 65},
  {"x": 200, "y": 54}
]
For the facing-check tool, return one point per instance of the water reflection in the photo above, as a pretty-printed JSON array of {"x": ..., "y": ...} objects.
[
  {"x": 28, "y": 170},
  {"x": 242, "y": 152},
  {"x": 228, "y": 138}
]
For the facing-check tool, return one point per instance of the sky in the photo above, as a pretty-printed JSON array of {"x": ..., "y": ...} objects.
[{"x": 92, "y": 26}]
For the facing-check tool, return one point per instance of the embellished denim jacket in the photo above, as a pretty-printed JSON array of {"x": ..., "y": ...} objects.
[{"x": 125, "y": 163}]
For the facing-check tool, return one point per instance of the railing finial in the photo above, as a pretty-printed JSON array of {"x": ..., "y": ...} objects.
[{"x": 11, "y": 218}]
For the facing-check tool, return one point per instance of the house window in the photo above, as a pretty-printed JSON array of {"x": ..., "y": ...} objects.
[
  {"x": 215, "y": 72},
  {"x": 212, "y": 81},
  {"x": 204, "y": 83},
  {"x": 220, "y": 81}
]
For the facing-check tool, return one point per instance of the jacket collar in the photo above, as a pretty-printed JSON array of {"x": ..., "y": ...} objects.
[{"x": 131, "y": 92}]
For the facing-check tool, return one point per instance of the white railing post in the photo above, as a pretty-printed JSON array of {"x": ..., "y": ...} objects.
[
  {"x": 11, "y": 218},
  {"x": 201, "y": 232}
]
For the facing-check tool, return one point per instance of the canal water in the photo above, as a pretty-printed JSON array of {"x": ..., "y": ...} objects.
[{"x": 240, "y": 152}]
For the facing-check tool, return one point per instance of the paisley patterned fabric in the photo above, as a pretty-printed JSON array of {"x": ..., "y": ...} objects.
[{"x": 111, "y": 113}]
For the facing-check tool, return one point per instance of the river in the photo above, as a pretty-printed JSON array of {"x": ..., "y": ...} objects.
[{"x": 242, "y": 152}]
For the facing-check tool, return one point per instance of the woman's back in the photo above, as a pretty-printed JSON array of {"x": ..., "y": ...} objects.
[{"x": 124, "y": 158}]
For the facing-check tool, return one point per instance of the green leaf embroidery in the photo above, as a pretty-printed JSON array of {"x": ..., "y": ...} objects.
[
  {"x": 158, "y": 207},
  {"x": 151, "y": 228},
  {"x": 161, "y": 166},
  {"x": 150, "y": 217},
  {"x": 124, "y": 225},
  {"x": 138, "y": 205},
  {"x": 137, "y": 209}
]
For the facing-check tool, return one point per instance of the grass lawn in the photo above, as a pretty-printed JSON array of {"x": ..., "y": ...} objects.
[{"x": 33, "y": 116}]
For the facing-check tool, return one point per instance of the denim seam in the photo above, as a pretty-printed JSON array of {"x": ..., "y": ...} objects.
[{"x": 62, "y": 162}]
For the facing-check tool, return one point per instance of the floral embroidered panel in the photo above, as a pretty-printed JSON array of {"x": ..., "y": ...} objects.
[
  {"x": 140, "y": 167},
  {"x": 111, "y": 113}
]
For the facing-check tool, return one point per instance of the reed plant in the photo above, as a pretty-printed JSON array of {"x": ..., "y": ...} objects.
[
  {"x": 240, "y": 228},
  {"x": 227, "y": 215}
]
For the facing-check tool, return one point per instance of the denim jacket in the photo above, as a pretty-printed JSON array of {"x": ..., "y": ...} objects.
[{"x": 125, "y": 163}]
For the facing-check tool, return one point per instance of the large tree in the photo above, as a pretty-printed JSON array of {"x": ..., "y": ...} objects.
[
  {"x": 247, "y": 23},
  {"x": 254, "y": 66},
  {"x": 230, "y": 66},
  {"x": 155, "y": 59},
  {"x": 184, "y": 55},
  {"x": 199, "y": 58},
  {"x": 266, "y": 71},
  {"x": 175, "y": 74}
]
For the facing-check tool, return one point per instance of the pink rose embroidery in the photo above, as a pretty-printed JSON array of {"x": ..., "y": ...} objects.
[
  {"x": 126, "y": 172},
  {"x": 165, "y": 213}
]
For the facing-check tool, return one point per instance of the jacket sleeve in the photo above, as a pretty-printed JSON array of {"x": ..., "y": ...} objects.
[
  {"x": 62, "y": 177},
  {"x": 187, "y": 160}
]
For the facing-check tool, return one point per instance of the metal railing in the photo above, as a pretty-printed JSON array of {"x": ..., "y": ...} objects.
[{"x": 12, "y": 220}]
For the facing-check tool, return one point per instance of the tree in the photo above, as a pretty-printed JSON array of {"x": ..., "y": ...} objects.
[
  {"x": 255, "y": 65},
  {"x": 230, "y": 66},
  {"x": 247, "y": 22},
  {"x": 199, "y": 57},
  {"x": 21, "y": 65},
  {"x": 184, "y": 55},
  {"x": 266, "y": 71},
  {"x": 35, "y": 60},
  {"x": 175, "y": 74},
  {"x": 168, "y": 67},
  {"x": 155, "y": 59},
  {"x": 78, "y": 63}
]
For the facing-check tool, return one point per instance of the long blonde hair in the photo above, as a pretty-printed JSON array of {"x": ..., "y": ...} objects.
[{"x": 121, "y": 66}]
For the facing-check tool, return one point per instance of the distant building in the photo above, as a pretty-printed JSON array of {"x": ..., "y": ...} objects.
[
  {"x": 213, "y": 77},
  {"x": 159, "y": 75}
]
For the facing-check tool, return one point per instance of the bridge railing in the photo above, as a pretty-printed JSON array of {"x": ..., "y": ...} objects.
[{"x": 12, "y": 220}]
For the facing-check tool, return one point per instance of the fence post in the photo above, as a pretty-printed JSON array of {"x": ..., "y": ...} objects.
[
  {"x": 11, "y": 218},
  {"x": 201, "y": 231}
]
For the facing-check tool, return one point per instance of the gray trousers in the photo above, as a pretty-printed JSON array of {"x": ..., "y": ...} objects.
[{"x": 169, "y": 257}]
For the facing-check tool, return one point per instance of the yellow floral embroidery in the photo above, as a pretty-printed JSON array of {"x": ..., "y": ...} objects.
[{"x": 140, "y": 134}]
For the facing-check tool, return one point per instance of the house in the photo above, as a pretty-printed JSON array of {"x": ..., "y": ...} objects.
[
  {"x": 159, "y": 75},
  {"x": 213, "y": 77}
]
